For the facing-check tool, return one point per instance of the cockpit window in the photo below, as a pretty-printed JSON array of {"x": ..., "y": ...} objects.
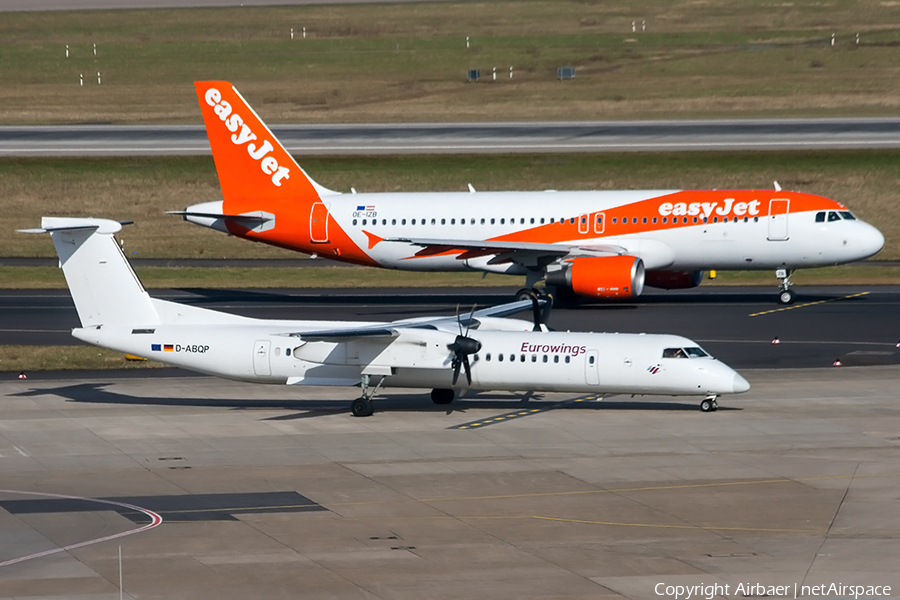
[
  {"x": 694, "y": 352},
  {"x": 820, "y": 217},
  {"x": 833, "y": 216},
  {"x": 848, "y": 215}
]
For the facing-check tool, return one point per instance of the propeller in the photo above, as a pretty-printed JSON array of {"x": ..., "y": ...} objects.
[
  {"x": 462, "y": 347},
  {"x": 540, "y": 314}
]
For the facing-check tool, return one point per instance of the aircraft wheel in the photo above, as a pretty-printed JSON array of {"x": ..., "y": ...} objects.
[
  {"x": 715, "y": 406},
  {"x": 708, "y": 405},
  {"x": 361, "y": 408},
  {"x": 524, "y": 294},
  {"x": 787, "y": 296},
  {"x": 442, "y": 396}
]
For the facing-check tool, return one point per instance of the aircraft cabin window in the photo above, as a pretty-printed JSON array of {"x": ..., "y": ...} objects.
[
  {"x": 820, "y": 217},
  {"x": 434, "y": 222},
  {"x": 277, "y": 351},
  {"x": 746, "y": 219},
  {"x": 590, "y": 360},
  {"x": 502, "y": 221},
  {"x": 287, "y": 351},
  {"x": 556, "y": 358},
  {"x": 492, "y": 221},
  {"x": 534, "y": 358},
  {"x": 522, "y": 221},
  {"x": 482, "y": 221},
  {"x": 488, "y": 357},
  {"x": 354, "y": 221},
  {"x": 443, "y": 221},
  {"x": 545, "y": 358},
  {"x": 522, "y": 358},
  {"x": 500, "y": 357},
  {"x": 472, "y": 222},
  {"x": 634, "y": 220},
  {"x": 568, "y": 359},
  {"x": 644, "y": 220},
  {"x": 512, "y": 358},
  {"x": 600, "y": 220},
  {"x": 614, "y": 220},
  {"x": 403, "y": 221},
  {"x": 715, "y": 219},
  {"x": 705, "y": 220},
  {"x": 654, "y": 220},
  {"x": 532, "y": 221},
  {"x": 453, "y": 221},
  {"x": 393, "y": 222},
  {"x": 695, "y": 219},
  {"x": 665, "y": 219},
  {"x": 552, "y": 220},
  {"x": 542, "y": 220},
  {"x": 848, "y": 215},
  {"x": 674, "y": 353},
  {"x": 756, "y": 219},
  {"x": 413, "y": 222},
  {"x": 833, "y": 216},
  {"x": 684, "y": 220}
]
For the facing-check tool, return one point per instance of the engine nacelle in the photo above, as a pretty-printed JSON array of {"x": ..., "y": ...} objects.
[
  {"x": 674, "y": 280},
  {"x": 601, "y": 276}
]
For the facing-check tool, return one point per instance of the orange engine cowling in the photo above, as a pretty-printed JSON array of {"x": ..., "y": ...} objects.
[
  {"x": 601, "y": 276},
  {"x": 674, "y": 280}
]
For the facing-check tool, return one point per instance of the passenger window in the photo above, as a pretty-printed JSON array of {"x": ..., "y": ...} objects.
[
  {"x": 413, "y": 222},
  {"x": 545, "y": 358},
  {"x": 542, "y": 220},
  {"x": 354, "y": 221},
  {"x": 443, "y": 221},
  {"x": 848, "y": 215},
  {"x": 433, "y": 222},
  {"x": 572, "y": 221},
  {"x": 644, "y": 220},
  {"x": 715, "y": 219},
  {"x": 534, "y": 358},
  {"x": 590, "y": 360},
  {"x": 512, "y": 358},
  {"x": 614, "y": 220},
  {"x": 482, "y": 221},
  {"x": 552, "y": 220},
  {"x": 532, "y": 221},
  {"x": 654, "y": 220},
  {"x": 502, "y": 221},
  {"x": 746, "y": 219},
  {"x": 522, "y": 221},
  {"x": 500, "y": 357},
  {"x": 833, "y": 216},
  {"x": 684, "y": 220},
  {"x": 695, "y": 219},
  {"x": 556, "y": 358},
  {"x": 568, "y": 359},
  {"x": 634, "y": 220},
  {"x": 492, "y": 221},
  {"x": 522, "y": 358},
  {"x": 756, "y": 219},
  {"x": 393, "y": 222},
  {"x": 384, "y": 221},
  {"x": 287, "y": 351},
  {"x": 487, "y": 357},
  {"x": 277, "y": 351},
  {"x": 665, "y": 220},
  {"x": 453, "y": 221},
  {"x": 403, "y": 222}
]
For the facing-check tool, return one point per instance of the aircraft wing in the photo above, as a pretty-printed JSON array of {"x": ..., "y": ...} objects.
[
  {"x": 505, "y": 251},
  {"x": 449, "y": 324}
]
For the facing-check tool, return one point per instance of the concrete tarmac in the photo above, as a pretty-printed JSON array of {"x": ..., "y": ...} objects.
[{"x": 792, "y": 483}]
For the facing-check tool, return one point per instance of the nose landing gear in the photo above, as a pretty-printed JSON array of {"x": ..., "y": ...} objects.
[
  {"x": 709, "y": 404},
  {"x": 786, "y": 295}
]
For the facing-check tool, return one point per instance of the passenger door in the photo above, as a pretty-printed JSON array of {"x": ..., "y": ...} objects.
[
  {"x": 261, "y": 357},
  {"x": 318, "y": 223},
  {"x": 778, "y": 220}
]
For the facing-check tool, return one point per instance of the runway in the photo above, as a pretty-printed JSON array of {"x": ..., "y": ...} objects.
[
  {"x": 857, "y": 324},
  {"x": 451, "y": 138}
]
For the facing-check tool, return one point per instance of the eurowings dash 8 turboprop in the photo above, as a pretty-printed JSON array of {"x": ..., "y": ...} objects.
[
  {"x": 491, "y": 352},
  {"x": 599, "y": 244}
]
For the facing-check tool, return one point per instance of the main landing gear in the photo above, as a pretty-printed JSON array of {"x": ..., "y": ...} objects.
[
  {"x": 709, "y": 404},
  {"x": 786, "y": 295},
  {"x": 442, "y": 396},
  {"x": 362, "y": 407}
]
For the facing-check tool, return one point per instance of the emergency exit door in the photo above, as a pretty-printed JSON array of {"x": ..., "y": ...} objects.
[
  {"x": 592, "y": 368},
  {"x": 261, "y": 357}
]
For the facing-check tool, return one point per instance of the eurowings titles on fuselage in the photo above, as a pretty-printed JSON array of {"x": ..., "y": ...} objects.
[{"x": 574, "y": 239}]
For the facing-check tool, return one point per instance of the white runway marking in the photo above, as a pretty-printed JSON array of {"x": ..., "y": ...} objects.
[{"x": 155, "y": 521}]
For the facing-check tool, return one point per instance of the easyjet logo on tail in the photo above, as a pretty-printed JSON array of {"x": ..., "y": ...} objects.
[{"x": 242, "y": 134}]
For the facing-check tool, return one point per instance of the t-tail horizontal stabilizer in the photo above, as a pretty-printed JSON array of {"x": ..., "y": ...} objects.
[{"x": 105, "y": 289}]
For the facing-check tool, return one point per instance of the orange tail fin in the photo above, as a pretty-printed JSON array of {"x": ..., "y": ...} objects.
[{"x": 250, "y": 161}]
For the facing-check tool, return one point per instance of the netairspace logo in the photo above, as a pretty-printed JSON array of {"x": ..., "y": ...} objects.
[{"x": 710, "y": 591}]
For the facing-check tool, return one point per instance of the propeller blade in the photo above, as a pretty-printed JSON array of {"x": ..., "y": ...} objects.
[
  {"x": 458, "y": 322},
  {"x": 469, "y": 323},
  {"x": 456, "y": 364},
  {"x": 465, "y": 362}
]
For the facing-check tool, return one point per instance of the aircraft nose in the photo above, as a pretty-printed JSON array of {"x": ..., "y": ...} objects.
[
  {"x": 874, "y": 240},
  {"x": 740, "y": 385}
]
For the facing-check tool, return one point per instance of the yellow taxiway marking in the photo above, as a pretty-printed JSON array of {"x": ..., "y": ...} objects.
[
  {"x": 775, "y": 310},
  {"x": 698, "y": 527}
]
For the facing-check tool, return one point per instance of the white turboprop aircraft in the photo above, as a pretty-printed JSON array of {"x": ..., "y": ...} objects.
[
  {"x": 507, "y": 354},
  {"x": 597, "y": 244}
]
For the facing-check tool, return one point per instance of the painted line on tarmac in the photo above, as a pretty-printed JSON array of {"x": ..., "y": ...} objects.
[
  {"x": 155, "y": 521},
  {"x": 695, "y": 527},
  {"x": 518, "y": 414},
  {"x": 776, "y": 310}
]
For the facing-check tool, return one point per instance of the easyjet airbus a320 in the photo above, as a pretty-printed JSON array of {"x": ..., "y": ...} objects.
[{"x": 599, "y": 244}]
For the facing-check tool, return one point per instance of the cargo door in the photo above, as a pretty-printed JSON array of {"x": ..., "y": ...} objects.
[
  {"x": 318, "y": 223},
  {"x": 778, "y": 220},
  {"x": 261, "y": 357},
  {"x": 592, "y": 368}
]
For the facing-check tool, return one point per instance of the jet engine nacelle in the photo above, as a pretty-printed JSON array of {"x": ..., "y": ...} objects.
[
  {"x": 673, "y": 280},
  {"x": 601, "y": 276}
]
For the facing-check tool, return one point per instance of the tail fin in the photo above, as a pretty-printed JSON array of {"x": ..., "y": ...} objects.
[
  {"x": 105, "y": 289},
  {"x": 250, "y": 161}
]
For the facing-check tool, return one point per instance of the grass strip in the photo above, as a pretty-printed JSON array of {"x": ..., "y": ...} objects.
[{"x": 25, "y": 359}]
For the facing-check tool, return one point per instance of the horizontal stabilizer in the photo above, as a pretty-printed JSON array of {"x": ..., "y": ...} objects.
[
  {"x": 51, "y": 224},
  {"x": 248, "y": 217}
]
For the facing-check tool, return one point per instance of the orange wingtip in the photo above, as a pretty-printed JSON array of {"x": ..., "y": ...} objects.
[{"x": 373, "y": 239}]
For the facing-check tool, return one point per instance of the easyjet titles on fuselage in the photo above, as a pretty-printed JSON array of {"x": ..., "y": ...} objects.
[
  {"x": 692, "y": 209},
  {"x": 234, "y": 121}
]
